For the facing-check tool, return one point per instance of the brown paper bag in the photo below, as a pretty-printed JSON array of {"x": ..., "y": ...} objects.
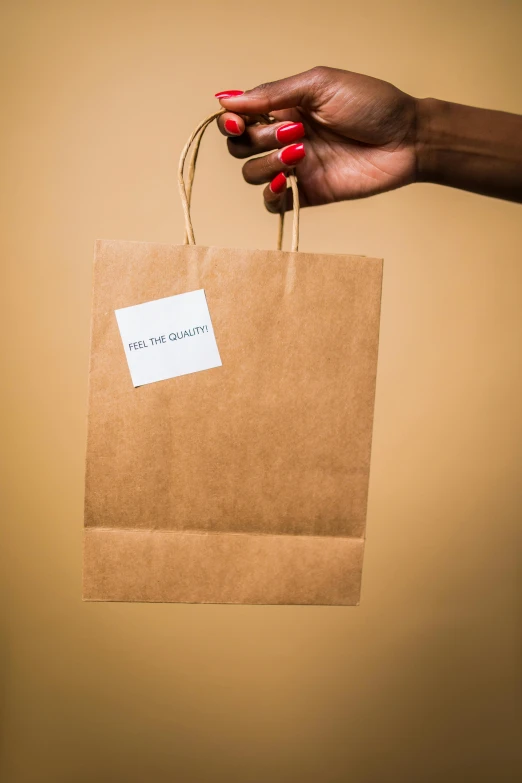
[{"x": 245, "y": 483}]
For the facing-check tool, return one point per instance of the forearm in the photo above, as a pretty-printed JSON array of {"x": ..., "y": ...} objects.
[{"x": 468, "y": 148}]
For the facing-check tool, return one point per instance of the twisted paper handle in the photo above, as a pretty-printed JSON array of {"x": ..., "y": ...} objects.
[{"x": 185, "y": 191}]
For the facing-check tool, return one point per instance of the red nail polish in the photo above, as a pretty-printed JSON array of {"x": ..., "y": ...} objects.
[
  {"x": 228, "y": 94},
  {"x": 291, "y": 132},
  {"x": 292, "y": 155},
  {"x": 233, "y": 127},
  {"x": 278, "y": 184}
]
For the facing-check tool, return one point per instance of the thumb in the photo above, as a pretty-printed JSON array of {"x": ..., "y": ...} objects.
[{"x": 303, "y": 89}]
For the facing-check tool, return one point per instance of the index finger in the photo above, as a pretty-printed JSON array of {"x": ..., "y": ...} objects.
[{"x": 231, "y": 124}]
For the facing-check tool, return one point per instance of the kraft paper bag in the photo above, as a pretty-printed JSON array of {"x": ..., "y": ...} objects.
[{"x": 245, "y": 481}]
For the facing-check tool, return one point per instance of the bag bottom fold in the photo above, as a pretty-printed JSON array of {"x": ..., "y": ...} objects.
[{"x": 229, "y": 568}]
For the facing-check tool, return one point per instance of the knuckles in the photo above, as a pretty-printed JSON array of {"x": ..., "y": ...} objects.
[
  {"x": 261, "y": 89},
  {"x": 320, "y": 71},
  {"x": 321, "y": 76}
]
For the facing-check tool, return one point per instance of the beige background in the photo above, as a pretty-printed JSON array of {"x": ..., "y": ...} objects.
[{"x": 422, "y": 683}]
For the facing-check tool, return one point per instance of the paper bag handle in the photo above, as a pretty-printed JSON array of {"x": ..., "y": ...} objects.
[{"x": 185, "y": 191}]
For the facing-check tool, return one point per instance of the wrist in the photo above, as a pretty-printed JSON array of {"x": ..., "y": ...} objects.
[
  {"x": 474, "y": 149},
  {"x": 429, "y": 136}
]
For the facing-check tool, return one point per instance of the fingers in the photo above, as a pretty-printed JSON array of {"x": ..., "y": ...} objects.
[
  {"x": 231, "y": 124},
  {"x": 279, "y": 198},
  {"x": 234, "y": 124},
  {"x": 247, "y": 137},
  {"x": 247, "y": 140},
  {"x": 260, "y": 170},
  {"x": 277, "y": 194},
  {"x": 303, "y": 89}
]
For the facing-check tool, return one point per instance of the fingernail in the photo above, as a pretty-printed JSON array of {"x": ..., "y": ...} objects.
[
  {"x": 278, "y": 184},
  {"x": 233, "y": 127},
  {"x": 291, "y": 132},
  {"x": 292, "y": 155},
  {"x": 228, "y": 94}
]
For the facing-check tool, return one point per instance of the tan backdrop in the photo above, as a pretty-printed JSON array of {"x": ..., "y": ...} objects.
[{"x": 422, "y": 683}]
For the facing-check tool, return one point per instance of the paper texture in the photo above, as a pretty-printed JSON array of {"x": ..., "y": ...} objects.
[
  {"x": 248, "y": 483},
  {"x": 168, "y": 337}
]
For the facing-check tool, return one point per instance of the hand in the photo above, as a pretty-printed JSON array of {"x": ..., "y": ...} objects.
[{"x": 355, "y": 134}]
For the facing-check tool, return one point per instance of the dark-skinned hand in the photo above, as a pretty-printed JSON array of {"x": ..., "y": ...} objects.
[{"x": 347, "y": 135}]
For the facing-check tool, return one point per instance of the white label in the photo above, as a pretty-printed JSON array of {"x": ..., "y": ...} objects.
[{"x": 168, "y": 337}]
